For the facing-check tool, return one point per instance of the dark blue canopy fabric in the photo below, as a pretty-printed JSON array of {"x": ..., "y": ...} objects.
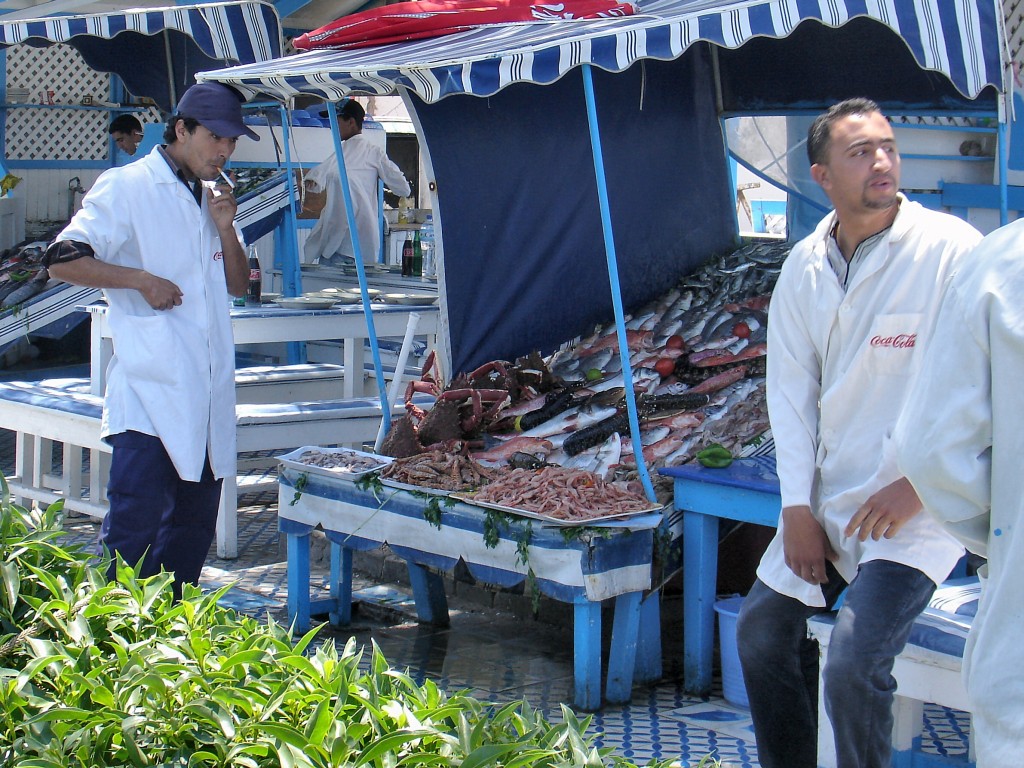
[
  {"x": 524, "y": 256},
  {"x": 158, "y": 51}
]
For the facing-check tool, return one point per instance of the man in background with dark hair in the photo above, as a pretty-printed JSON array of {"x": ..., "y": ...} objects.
[
  {"x": 126, "y": 130},
  {"x": 365, "y": 164},
  {"x": 854, "y": 306},
  {"x": 158, "y": 237}
]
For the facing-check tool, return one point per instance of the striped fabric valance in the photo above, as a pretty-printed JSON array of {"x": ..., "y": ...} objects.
[{"x": 963, "y": 39}]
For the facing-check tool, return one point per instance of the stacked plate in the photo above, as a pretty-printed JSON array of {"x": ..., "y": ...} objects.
[
  {"x": 306, "y": 302},
  {"x": 412, "y": 299}
]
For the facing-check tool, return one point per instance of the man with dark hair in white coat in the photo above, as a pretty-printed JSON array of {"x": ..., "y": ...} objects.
[
  {"x": 365, "y": 165},
  {"x": 160, "y": 241},
  {"x": 854, "y": 305},
  {"x": 959, "y": 442}
]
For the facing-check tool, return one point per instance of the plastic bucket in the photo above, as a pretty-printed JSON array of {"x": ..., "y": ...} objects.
[{"x": 734, "y": 690}]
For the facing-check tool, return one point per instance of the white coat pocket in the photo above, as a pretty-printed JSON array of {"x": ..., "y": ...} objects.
[
  {"x": 891, "y": 343},
  {"x": 146, "y": 347}
]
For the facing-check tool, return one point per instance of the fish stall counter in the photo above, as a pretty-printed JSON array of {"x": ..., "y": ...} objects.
[{"x": 578, "y": 565}]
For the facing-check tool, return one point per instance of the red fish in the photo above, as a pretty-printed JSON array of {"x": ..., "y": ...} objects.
[{"x": 720, "y": 381}]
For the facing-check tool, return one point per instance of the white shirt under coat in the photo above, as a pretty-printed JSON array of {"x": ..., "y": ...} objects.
[
  {"x": 365, "y": 163},
  {"x": 855, "y": 352},
  {"x": 959, "y": 444},
  {"x": 172, "y": 372}
]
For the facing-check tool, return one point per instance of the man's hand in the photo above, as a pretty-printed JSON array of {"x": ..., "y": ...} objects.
[
  {"x": 222, "y": 207},
  {"x": 158, "y": 292},
  {"x": 805, "y": 544},
  {"x": 886, "y": 512}
]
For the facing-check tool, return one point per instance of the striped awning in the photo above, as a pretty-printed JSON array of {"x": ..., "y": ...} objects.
[
  {"x": 235, "y": 32},
  {"x": 962, "y": 39}
]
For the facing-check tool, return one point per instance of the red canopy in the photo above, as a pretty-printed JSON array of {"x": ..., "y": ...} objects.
[{"x": 432, "y": 18}]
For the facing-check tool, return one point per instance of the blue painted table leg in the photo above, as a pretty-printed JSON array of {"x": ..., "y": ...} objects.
[
  {"x": 341, "y": 585},
  {"x": 648, "y": 646},
  {"x": 587, "y": 654},
  {"x": 298, "y": 580},
  {"x": 700, "y": 573},
  {"x": 428, "y": 592},
  {"x": 622, "y": 655}
]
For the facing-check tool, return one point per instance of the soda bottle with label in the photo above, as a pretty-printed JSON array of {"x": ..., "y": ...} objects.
[
  {"x": 407, "y": 255},
  {"x": 417, "y": 256},
  {"x": 255, "y": 278}
]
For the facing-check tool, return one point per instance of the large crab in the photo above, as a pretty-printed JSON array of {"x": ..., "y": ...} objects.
[
  {"x": 459, "y": 412},
  {"x": 461, "y": 408}
]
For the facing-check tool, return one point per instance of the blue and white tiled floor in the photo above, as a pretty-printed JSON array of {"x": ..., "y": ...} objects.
[{"x": 499, "y": 656}]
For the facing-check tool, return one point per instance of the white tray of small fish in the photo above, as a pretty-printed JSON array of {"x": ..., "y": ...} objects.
[
  {"x": 556, "y": 521},
  {"x": 346, "y": 463},
  {"x": 414, "y": 488}
]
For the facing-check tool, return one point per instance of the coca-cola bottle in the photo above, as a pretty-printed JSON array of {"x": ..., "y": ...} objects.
[
  {"x": 255, "y": 278},
  {"x": 407, "y": 257}
]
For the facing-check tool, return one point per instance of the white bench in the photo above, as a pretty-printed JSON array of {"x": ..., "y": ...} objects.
[
  {"x": 288, "y": 383},
  {"x": 57, "y": 411},
  {"x": 928, "y": 670}
]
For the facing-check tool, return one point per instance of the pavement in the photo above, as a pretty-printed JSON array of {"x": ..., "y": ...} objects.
[{"x": 497, "y": 647}]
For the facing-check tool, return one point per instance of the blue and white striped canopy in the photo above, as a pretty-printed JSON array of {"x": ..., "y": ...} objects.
[
  {"x": 133, "y": 43},
  {"x": 962, "y": 39}
]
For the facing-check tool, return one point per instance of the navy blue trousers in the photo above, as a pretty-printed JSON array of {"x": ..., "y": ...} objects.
[
  {"x": 780, "y": 665},
  {"x": 155, "y": 516}
]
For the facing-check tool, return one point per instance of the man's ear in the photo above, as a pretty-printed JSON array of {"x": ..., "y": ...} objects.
[{"x": 819, "y": 172}]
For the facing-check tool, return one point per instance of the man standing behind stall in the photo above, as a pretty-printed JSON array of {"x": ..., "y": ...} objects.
[
  {"x": 854, "y": 305},
  {"x": 365, "y": 163},
  {"x": 162, "y": 245},
  {"x": 126, "y": 131},
  {"x": 959, "y": 443}
]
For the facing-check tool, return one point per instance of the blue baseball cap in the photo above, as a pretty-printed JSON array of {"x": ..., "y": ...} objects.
[{"x": 218, "y": 108}]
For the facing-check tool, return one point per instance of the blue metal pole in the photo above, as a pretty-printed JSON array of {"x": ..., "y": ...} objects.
[
  {"x": 613, "y": 277},
  {"x": 292, "y": 272},
  {"x": 357, "y": 250}
]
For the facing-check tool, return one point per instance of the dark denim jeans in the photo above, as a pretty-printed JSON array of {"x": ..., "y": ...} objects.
[
  {"x": 156, "y": 514},
  {"x": 780, "y": 665}
]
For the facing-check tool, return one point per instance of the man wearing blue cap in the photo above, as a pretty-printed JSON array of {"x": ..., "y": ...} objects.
[{"x": 158, "y": 237}]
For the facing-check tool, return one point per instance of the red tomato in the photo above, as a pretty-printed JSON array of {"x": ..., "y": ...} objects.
[
  {"x": 741, "y": 331},
  {"x": 665, "y": 366},
  {"x": 675, "y": 342}
]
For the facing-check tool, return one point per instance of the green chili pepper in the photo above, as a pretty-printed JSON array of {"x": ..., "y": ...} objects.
[{"x": 715, "y": 456}]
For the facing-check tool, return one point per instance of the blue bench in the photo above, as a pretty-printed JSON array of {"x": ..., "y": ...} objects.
[
  {"x": 53, "y": 411},
  {"x": 928, "y": 670}
]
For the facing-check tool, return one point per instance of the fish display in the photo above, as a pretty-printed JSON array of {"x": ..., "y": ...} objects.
[
  {"x": 22, "y": 274},
  {"x": 697, "y": 357}
]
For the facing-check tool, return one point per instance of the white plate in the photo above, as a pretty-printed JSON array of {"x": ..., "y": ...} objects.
[
  {"x": 269, "y": 298},
  {"x": 333, "y": 295},
  {"x": 356, "y": 292},
  {"x": 306, "y": 302},
  {"x": 468, "y": 498},
  {"x": 292, "y": 460},
  {"x": 417, "y": 300},
  {"x": 418, "y": 488}
]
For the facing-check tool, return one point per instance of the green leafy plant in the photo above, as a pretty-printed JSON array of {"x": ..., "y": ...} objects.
[{"x": 96, "y": 674}]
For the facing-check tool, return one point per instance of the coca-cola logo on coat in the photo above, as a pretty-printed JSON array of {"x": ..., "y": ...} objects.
[{"x": 899, "y": 341}]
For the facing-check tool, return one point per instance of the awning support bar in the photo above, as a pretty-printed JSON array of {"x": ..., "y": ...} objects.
[{"x": 613, "y": 277}]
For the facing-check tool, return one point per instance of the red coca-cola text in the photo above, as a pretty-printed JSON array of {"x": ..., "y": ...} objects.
[{"x": 899, "y": 341}]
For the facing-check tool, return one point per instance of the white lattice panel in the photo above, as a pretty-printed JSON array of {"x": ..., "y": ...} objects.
[{"x": 56, "y": 134}]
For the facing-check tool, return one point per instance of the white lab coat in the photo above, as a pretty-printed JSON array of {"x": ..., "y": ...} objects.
[
  {"x": 854, "y": 353},
  {"x": 959, "y": 442},
  {"x": 172, "y": 373},
  {"x": 365, "y": 162}
]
